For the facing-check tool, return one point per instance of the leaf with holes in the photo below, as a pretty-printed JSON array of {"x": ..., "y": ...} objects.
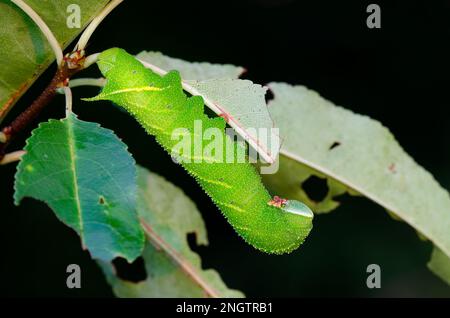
[
  {"x": 25, "y": 53},
  {"x": 173, "y": 269},
  {"x": 360, "y": 154},
  {"x": 88, "y": 178}
]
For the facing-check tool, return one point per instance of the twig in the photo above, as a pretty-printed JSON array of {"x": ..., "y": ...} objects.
[
  {"x": 12, "y": 157},
  {"x": 77, "y": 82},
  {"x": 100, "y": 82},
  {"x": 94, "y": 24},
  {"x": 44, "y": 28},
  {"x": 26, "y": 117},
  {"x": 91, "y": 59}
]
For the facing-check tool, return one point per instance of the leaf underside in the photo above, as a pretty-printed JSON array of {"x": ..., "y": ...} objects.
[
  {"x": 173, "y": 269},
  {"x": 191, "y": 70},
  {"x": 355, "y": 155},
  {"x": 360, "y": 154}
]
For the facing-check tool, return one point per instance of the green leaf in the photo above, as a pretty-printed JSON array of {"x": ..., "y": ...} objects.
[
  {"x": 173, "y": 269},
  {"x": 360, "y": 154},
  {"x": 25, "y": 53},
  {"x": 88, "y": 178},
  {"x": 241, "y": 102},
  {"x": 440, "y": 265}
]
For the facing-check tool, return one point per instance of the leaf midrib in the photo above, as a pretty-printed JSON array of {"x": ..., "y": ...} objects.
[
  {"x": 73, "y": 166},
  {"x": 365, "y": 193}
]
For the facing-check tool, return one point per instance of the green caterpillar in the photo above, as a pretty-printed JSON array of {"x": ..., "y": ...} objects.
[{"x": 161, "y": 107}]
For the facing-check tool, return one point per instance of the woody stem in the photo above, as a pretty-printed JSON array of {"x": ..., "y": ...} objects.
[{"x": 30, "y": 114}]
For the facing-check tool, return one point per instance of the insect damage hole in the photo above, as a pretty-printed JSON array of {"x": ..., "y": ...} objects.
[
  {"x": 194, "y": 245},
  {"x": 269, "y": 95},
  {"x": 334, "y": 145},
  {"x": 315, "y": 188},
  {"x": 134, "y": 272}
]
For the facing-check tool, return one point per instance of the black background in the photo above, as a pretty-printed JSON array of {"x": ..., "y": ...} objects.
[{"x": 397, "y": 74}]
